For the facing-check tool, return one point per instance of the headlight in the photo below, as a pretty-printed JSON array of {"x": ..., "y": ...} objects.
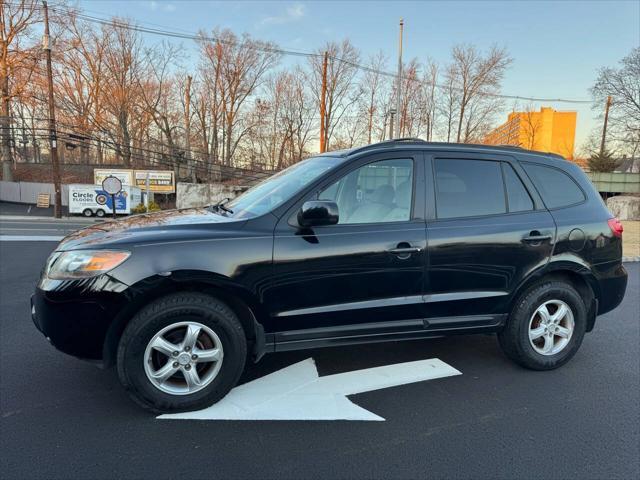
[{"x": 83, "y": 263}]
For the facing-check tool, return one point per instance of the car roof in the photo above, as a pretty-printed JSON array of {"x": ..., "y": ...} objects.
[{"x": 403, "y": 143}]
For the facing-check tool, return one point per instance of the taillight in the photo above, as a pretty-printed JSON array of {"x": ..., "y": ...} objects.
[{"x": 616, "y": 226}]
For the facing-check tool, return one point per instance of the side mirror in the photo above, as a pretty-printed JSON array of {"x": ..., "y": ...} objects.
[{"x": 318, "y": 212}]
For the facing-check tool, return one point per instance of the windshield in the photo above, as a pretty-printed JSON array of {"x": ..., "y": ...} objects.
[{"x": 275, "y": 190}]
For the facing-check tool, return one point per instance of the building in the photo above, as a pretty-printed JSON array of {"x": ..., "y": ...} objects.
[{"x": 547, "y": 131}]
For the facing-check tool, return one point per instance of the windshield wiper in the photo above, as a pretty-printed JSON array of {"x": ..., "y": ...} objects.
[{"x": 221, "y": 206}]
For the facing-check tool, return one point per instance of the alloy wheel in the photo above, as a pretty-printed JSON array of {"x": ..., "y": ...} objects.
[
  {"x": 551, "y": 327},
  {"x": 183, "y": 358}
]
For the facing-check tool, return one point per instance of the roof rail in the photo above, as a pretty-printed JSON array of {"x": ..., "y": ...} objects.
[
  {"x": 407, "y": 139},
  {"x": 509, "y": 145},
  {"x": 396, "y": 141},
  {"x": 387, "y": 143}
]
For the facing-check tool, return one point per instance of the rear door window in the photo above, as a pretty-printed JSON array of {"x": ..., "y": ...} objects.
[
  {"x": 556, "y": 187},
  {"x": 468, "y": 188}
]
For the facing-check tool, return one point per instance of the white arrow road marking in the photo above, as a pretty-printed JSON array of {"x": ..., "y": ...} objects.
[{"x": 298, "y": 393}]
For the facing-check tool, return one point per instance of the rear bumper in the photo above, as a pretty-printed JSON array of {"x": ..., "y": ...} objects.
[{"x": 613, "y": 285}]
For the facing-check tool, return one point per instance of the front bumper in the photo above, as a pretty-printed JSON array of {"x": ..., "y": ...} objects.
[{"x": 75, "y": 316}]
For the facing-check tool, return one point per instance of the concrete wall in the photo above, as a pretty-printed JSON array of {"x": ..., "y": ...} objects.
[
  {"x": 27, "y": 192},
  {"x": 202, "y": 194},
  {"x": 625, "y": 207}
]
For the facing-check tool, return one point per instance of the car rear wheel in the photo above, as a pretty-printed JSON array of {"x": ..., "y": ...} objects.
[
  {"x": 546, "y": 326},
  {"x": 100, "y": 213},
  {"x": 87, "y": 212},
  {"x": 181, "y": 352}
]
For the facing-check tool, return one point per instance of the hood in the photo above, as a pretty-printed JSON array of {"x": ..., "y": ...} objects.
[{"x": 166, "y": 226}]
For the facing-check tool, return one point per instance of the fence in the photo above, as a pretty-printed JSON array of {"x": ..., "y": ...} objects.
[
  {"x": 27, "y": 192},
  {"x": 616, "y": 182}
]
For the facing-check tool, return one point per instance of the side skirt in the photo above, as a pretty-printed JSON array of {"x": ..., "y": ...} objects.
[{"x": 384, "y": 332}]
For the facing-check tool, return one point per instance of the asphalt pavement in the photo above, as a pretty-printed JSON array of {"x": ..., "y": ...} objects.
[
  {"x": 19, "y": 220},
  {"x": 63, "y": 418},
  {"x": 27, "y": 209}
]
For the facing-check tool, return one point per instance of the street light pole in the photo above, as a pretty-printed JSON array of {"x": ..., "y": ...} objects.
[
  {"x": 53, "y": 141},
  {"x": 399, "y": 85}
]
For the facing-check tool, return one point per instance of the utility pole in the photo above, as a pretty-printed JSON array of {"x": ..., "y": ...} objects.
[
  {"x": 604, "y": 128},
  {"x": 392, "y": 112},
  {"x": 399, "y": 86},
  {"x": 187, "y": 128},
  {"x": 53, "y": 141},
  {"x": 323, "y": 130}
]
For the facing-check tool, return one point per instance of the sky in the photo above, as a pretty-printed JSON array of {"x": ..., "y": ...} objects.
[{"x": 557, "y": 46}]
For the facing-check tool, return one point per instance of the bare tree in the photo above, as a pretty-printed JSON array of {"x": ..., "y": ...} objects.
[
  {"x": 283, "y": 120},
  {"x": 209, "y": 105},
  {"x": 18, "y": 59},
  {"x": 121, "y": 93},
  {"x": 449, "y": 101},
  {"x": 623, "y": 85},
  {"x": 531, "y": 125},
  {"x": 80, "y": 72},
  {"x": 477, "y": 77},
  {"x": 429, "y": 98},
  {"x": 241, "y": 64},
  {"x": 372, "y": 85},
  {"x": 411, "y": 105},
  {"x": 159, "y": 95}
]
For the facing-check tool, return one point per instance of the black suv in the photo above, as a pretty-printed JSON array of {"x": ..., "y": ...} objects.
[{"x": 399, "y": 240}]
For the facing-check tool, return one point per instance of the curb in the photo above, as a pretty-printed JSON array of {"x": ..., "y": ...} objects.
[{"x": 631, "y": 259}]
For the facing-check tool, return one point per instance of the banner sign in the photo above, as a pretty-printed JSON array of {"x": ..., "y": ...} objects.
[
  {"x": 160, "y": 181},
  {"x": 125, "y": 176}
]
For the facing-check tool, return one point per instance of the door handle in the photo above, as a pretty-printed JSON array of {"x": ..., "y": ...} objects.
[
  {"x": 536, "y": 238},
  {"x": 402, "y": 250}
]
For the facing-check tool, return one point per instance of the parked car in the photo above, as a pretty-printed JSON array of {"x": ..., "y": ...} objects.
[{"x": 394, "y": 241}]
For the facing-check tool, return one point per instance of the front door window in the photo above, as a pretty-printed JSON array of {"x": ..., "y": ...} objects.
[{"x": 378, "y": 192}]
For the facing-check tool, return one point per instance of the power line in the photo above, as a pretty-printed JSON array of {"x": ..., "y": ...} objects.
[
  {"x": 155, "y": 157},
  {"x": 266, "y": 47}
]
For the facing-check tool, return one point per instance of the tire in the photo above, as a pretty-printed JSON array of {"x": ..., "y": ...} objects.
[
  {"x": 100, "y": 213},
  {"x": 87, "y": 212},
  {"x": 527, "y": 321},
  {"x": 137, "y": 359}
]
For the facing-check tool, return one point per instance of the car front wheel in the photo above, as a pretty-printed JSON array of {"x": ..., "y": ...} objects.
[
  {"x": 181, "y": 352},
  {"x": 546, "y": 326}
]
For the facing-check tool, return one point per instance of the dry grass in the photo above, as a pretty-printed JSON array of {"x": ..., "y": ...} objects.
[{"x": 631, "y": 238}]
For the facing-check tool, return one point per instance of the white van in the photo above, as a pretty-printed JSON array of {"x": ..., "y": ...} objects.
[{"x": 90, "y": 200}]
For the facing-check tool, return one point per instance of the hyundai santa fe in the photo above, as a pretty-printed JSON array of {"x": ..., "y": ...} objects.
[{"x": 394, "y": 241}]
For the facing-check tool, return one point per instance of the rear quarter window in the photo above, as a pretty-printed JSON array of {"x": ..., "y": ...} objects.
[{"x": 556, "y": 187}]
